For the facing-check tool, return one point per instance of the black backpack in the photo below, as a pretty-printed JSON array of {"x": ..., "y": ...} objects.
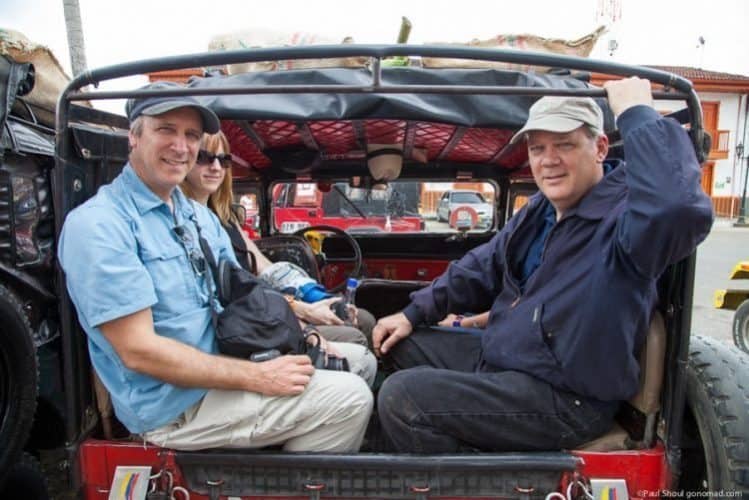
[{"x": 255, "y": 318}]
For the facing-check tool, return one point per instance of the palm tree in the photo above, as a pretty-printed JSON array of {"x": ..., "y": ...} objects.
[{"x": 74, "y": 29}]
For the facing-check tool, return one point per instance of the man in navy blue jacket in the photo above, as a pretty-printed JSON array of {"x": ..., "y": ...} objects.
[{"x": 570, "y": 282}]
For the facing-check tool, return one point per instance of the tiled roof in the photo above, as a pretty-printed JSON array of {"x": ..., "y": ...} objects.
[
  {"x": 702, "y": 74},
  {"x": 702, "y": 80}
]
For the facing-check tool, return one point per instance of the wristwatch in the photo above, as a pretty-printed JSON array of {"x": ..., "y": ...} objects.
[{"x": 457, "y": 321}]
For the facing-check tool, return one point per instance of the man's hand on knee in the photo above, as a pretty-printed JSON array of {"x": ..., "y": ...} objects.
[
  {"x": 389, "y": 331},
  {"x": 285, "y": 376}
]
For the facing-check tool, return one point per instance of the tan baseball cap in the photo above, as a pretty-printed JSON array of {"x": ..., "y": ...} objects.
[{"x": 561, "y": 114}]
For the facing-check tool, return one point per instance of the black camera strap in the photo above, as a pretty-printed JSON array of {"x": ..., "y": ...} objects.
[{"x": 211, "y": 271}]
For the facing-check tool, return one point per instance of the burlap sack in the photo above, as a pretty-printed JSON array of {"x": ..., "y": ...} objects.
[
  {"x": 580, "y": 48},
  {"x": 268, "y": 38},
  {"x": 50, "y": 79}
]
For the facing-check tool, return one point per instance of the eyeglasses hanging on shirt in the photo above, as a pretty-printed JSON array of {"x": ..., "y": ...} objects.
[{"x": 197, "y": 261}]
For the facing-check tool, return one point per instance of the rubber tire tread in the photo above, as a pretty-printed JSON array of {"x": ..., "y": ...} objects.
[
  {"x": 718, "y": 396},
  {"x": 17, "y": 347},
  {"x": 25, "y": 480},
  {"x": 741, "y": 318}
]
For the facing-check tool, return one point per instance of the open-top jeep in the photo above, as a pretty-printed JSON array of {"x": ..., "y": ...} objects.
[{"x": 685, "y": 431}]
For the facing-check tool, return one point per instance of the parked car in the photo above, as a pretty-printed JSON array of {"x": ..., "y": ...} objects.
[
  {"x": 452, "y": 200},
  {"x": 690, "y": 435},
  {"x": 737, "y": 299}
]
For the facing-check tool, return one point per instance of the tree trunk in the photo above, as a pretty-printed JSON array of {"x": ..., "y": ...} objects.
[{"x": 74, "y": 29}]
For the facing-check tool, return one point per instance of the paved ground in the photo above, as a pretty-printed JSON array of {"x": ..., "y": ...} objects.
[{"x": 723, "y": 248}]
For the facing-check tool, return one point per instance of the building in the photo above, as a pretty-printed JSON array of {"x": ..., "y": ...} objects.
[{"x": 725, "y": 106}]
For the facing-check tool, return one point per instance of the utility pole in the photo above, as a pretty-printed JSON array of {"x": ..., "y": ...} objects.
[
  {"x": 741, "y": 221},
  {"x": 74, "y": 28}
]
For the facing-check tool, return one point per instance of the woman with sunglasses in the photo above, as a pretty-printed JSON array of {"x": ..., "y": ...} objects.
[{"x": 210, "y": 183}]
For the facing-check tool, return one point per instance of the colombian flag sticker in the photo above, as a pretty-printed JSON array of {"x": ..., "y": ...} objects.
[{"x": 609, "y": 494}]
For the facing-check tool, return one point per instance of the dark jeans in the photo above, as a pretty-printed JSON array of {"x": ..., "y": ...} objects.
[{"x": 439, "y": 400}]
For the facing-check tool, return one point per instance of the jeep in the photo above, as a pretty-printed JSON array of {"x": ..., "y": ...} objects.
[{"x": 686, "y": 431}]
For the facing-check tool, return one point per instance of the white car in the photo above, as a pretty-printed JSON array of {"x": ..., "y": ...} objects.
[{"x": 451, "y": 200}]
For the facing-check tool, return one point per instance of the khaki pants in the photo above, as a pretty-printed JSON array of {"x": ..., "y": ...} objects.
[
  {"x": 360, "y": 359},
  {"x": 361, "y": 334},
  {"x": 330, "y": 415}
]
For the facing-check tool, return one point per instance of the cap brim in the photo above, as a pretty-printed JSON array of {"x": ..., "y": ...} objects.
[
  {"x": 558, "y": 124},
  {"x": 211, "y": 123}
]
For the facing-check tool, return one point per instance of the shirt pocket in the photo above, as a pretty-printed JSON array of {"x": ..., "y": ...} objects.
[{"x": 171, "y": 274}]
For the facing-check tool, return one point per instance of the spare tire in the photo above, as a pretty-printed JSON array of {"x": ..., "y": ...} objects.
[
  {"x": 741, "y": 326},
  {"x": 716, "y": 426},
  {"x": 18, "y": 380}
]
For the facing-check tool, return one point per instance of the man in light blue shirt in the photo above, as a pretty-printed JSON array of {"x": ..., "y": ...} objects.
[{"x": 140, "y": 284}]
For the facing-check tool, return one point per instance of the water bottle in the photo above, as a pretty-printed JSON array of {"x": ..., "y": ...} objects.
[{"x": 349, "y": 297}]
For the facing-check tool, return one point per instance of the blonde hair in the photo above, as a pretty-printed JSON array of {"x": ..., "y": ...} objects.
[{"x": 222, "y": 199}]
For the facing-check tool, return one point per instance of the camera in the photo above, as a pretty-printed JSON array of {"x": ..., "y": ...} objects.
[
  {"x": 261, "y": 356},
  {"x": 330, "y": 362},
  {"x": 318, "y": 355},
  {"x": 340, "y": 309}
]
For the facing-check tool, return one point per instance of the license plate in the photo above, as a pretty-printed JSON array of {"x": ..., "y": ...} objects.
[{"x": 292, "y": 227}]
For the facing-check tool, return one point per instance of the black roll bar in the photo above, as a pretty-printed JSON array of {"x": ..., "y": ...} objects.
[{"x": 682, "y": 88}]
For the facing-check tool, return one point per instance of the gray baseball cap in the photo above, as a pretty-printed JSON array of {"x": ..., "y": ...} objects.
[
  {"x": 562, "y": 114},
  {"x": 154, "y": 106}
]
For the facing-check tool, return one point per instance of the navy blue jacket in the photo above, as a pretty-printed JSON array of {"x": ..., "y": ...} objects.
[{"x": 582, "y": 317}]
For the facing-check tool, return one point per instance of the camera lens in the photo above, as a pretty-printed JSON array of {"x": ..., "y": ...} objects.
[
  {"x": 337, "y": 364},
  {"x": 319, "y": 361}
]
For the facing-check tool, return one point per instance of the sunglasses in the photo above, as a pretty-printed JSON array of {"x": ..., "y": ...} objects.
[
  {"x": 206, "y": 158},
  {"x": 196, "y": 259}
]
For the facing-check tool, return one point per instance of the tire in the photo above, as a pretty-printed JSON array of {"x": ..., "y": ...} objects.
[
  {"x": 18, "y": 380},
  {"x": 25, "y": 480},
  {"x": 716, "y": 426},
  {"x": 741, "y": 326}
]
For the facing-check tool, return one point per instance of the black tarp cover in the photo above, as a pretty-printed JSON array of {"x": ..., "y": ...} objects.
[{"x": 496, "y": 111}]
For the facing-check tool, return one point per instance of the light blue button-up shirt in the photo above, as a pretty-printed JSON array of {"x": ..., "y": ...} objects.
[{"x": 121, "y": 254}]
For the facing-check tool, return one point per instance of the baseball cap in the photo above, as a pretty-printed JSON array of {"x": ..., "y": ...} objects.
[
  {"x": 561, "y": 114},
  {"x": 154, "y": 106}
]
